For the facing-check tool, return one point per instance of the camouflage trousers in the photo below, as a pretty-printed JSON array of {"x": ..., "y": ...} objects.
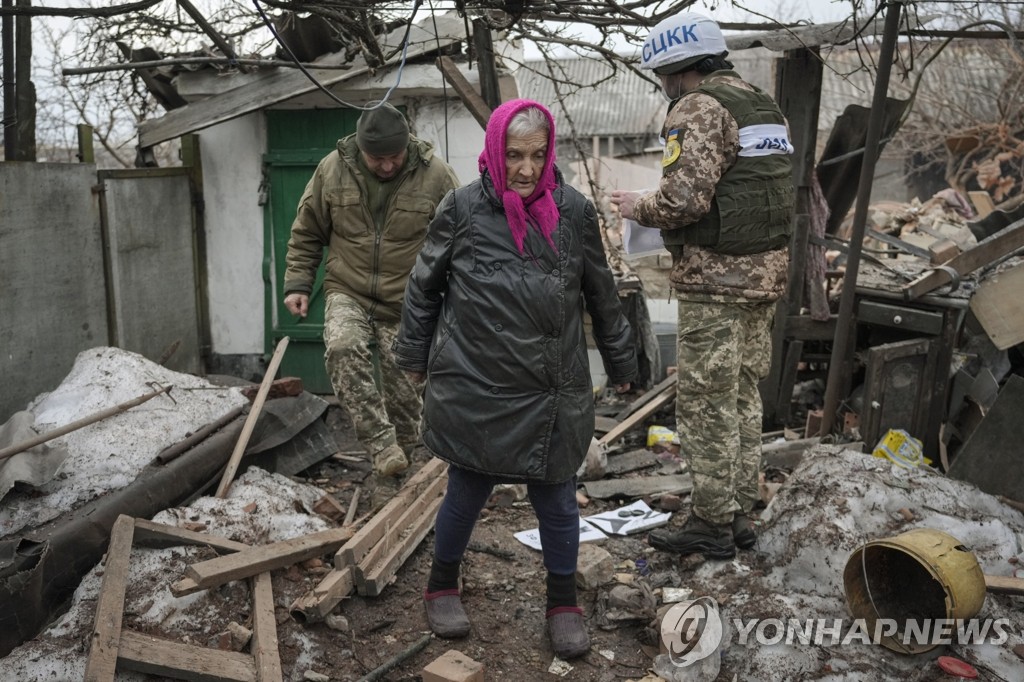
[
  {"x": 383, "y": 413},
  {"x": 724, "y": 350}
]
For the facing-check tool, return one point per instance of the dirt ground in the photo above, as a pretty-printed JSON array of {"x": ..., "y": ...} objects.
[{"x": 503, "y": 592}]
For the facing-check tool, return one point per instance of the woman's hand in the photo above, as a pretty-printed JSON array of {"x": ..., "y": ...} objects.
[
  {"x": 622, "y": 388},
  {"x": 416, "y": 377}
]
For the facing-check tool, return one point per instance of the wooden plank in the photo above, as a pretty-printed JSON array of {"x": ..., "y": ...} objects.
[
  {"x": 630, "y": 461},
  {"x": 363, "y": 541},
  {"x": 254, "y": 560},
  {"x": 638, "y": 487},
  {"x": 314, "y": 606},
  {"x": 264, "y": 631},
  {"x": 185, "y": 586},
  {"x": 604, "y": 424},
  {"x": 288, "y": 83},
  {"x": 664, "y": 398},
  {"x": 161, "y": 535},
  {"x": 375, "y": 579},
  {"x": 154, "y": 656},
  {"x": 670, "y": 380},
  {"x": 250, "y": 421},
  {"x": 106, "y": 631},
  {"x": 982, "y": 201},
  {"x": 1004, "y": 242},
  {"x": 1004, "y": 584},
  {"x": 396, "y": 532},
  {"x": 999, "y": 307},
  {"x": 464, "y": 89},
  {"x": 483, "y": 43},
  {"x": 14, "y": 449}
]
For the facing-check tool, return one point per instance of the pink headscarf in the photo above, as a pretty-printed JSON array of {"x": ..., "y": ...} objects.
[{"x": 539, "y": 205}]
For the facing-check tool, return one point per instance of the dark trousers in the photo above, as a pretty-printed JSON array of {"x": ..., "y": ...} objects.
[{"x": 555, "y": 505}]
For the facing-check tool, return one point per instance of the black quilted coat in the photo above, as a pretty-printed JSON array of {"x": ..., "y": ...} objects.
[{"x": 500, "y": 335}]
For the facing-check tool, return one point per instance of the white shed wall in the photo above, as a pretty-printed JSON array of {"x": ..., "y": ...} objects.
[{"x": 232, "y": 155}]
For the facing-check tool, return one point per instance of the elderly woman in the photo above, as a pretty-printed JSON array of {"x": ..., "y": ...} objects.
[{"x": 493, "y": 322}]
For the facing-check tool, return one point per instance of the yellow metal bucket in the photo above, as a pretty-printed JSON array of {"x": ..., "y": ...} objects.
[{"x": 918, "y": 575}]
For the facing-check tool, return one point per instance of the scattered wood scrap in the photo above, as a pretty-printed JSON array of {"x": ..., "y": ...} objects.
[
  {"x": 112, "y": 646},
  {"x": 254, "y": 560},
  {"x": 373, "y": 555},
  {"x": 666, "y": 396},
  {"x": 1002, "y": 243}
]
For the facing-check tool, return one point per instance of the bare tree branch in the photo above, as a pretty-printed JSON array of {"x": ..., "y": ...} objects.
[{"x": 114, "y": 11}]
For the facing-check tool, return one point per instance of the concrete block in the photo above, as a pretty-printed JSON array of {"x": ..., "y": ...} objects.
[
  {"x": 453, "y": 666},
  {"x": 594, "y": 566}
]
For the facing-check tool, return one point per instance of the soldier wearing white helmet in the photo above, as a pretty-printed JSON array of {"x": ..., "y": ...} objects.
[{"x": 725, "y": 207}]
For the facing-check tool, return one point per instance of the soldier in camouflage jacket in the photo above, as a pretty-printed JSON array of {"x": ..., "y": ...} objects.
[{"x": 725, "y": 207}]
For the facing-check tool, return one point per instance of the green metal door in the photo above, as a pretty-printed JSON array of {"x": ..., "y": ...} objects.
[{"x": 296, "y": 141}]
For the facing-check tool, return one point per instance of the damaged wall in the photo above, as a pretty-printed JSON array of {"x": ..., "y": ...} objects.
[{"x": 54, "y": 303}]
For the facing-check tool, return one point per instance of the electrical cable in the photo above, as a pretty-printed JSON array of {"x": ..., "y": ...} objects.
[{"x": 312, "y": 78}]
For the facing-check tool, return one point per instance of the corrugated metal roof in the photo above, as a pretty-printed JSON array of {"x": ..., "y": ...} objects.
[{"x": 599, "y": 101}]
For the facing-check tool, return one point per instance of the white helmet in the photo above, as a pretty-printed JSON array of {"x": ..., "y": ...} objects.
[{"x": 681, "y": 41}]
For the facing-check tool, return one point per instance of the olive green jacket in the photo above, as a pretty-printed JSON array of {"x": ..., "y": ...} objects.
[{"x": 368, "y": 257}]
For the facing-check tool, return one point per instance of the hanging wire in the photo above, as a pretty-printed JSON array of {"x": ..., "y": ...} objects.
[{"x": 312, "y": 78}]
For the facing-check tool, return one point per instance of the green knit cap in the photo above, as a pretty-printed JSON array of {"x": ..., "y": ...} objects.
[{"x": 382, "y": 131}]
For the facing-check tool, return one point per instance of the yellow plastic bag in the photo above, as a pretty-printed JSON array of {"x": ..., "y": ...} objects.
[
  {"x": 659, "y": 435},
  {"x": 902, "y": 449}
]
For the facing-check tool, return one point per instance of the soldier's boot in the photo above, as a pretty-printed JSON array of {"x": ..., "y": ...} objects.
[
  {"x": 696, "y": 536},
  {"x": 390, "y": 461},
  {"x": 743, "y": 533}
]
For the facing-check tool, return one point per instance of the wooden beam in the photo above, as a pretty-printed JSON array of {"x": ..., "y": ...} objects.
[
  {"x": 397, "y": 535},
  {"x": 670, "y": 380},
  {"x": 209, "y": 30},
  {"x": 314, "y": 606},
  {"x": 155, "y": 656},
  {"x": 1002, "y": 243},
  {"x": 353, "y": 551},
  {"x": 161, "y": 535},
  {"x": 106, "y": 632},
  {"x": 464, "y": 89},
  {"x": 264, "y": 631},
  {"x": 376, "y": 577},
  {"x": 12, "y": 450},
  {"x": 254, "y": 560},
  {"x": 664, "y": 398},
  {"x": 285, "y": 85},
  {"x": 250, "y": 421},
  {"x": 1004, "y": 584},
  {"x": 483, "y": 44}
]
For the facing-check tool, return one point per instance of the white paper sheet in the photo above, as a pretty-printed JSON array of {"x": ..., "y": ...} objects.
[
  {"x": 612, "y": 523},
  {"x": 531, "y": 538}
]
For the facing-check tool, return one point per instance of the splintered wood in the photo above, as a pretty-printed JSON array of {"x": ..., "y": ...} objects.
[
  {"x": 112, "y": 647},
  {"x": 370, "y": 559}
]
